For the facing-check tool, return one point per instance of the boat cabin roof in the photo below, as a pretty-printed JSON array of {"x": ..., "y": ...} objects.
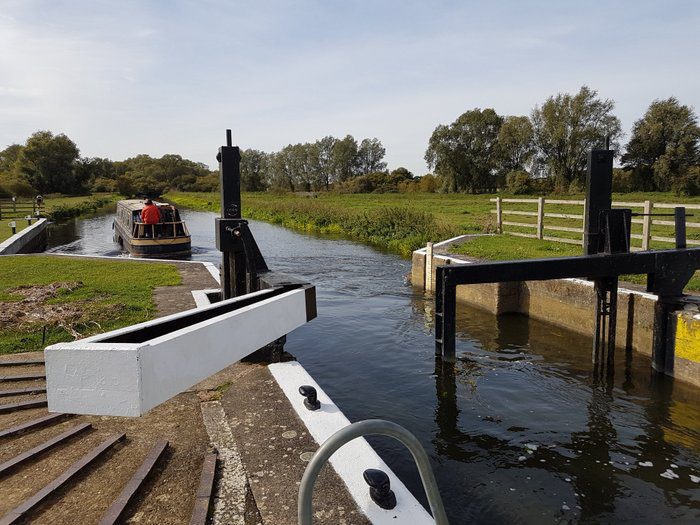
[{"x": 138, "y": 204}]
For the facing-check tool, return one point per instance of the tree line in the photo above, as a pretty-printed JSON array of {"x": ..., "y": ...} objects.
[
  {"x": 547, "y": 150},
  {"x": 481, "y": 151}
]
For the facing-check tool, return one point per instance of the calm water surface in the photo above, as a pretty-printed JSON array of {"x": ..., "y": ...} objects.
[{"x": 518, "y": 431}]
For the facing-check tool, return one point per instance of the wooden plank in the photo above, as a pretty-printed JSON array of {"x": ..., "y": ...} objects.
[
  {"x": 116, "y": 509},
  {"x": 564, "y": 229},
  {"x": 673, "y": 240},
  {"x": 514, "y": 212},
  {"x": 519, "y": 234},
  {"x": 564, "y": 215},
  {"x": 33, "y": 453},
  {"x": 23, "y": 362},
  {"x": 520, "y": 200},
  {"x": 22, "y": 405},
  {"x": 629, "y": 204},
  {"x": 686, "y": 206},
  {"x": 577, "y": 203},
  {"x": 20, "y": 512},
  {"x": 23, "y": 391},
  {"x": 522, "y": 224},
  {"x": 562, "y": 239},
  {"x": 34, "y": 424},
  {"x": 22, "y": 377},
  {"x": 672, "y": 223},
  {"x": 204, "y": 492}
]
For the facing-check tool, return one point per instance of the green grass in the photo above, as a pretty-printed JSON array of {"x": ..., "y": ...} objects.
[
  {"x": 397, "y": 224},
  {"x": 404, "y": 222},
  {"x": 6, "y": 231},
  {"x": 111, "y": 294}
]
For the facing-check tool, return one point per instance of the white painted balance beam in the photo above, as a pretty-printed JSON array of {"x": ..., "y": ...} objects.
[{"x": 125, "y": 373}]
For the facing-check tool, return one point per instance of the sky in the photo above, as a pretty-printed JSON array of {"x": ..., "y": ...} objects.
[{"x": 127, "y": 77}]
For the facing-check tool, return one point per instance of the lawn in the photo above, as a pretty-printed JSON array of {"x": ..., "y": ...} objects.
[
  {"x": 6, "y": 231},
  {"x": 73, "y": 297}
]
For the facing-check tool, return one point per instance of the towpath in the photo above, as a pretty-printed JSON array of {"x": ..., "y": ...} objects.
[{"x": 240, "y": 412}]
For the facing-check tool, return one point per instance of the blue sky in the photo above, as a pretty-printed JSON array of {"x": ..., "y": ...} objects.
[{"x": 128, "y": 77}]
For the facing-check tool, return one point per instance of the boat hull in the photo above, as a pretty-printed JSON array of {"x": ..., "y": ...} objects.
[{"x": 155, "y": 248}]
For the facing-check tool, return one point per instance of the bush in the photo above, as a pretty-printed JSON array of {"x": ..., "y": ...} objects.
[
  {"x": 688, "y": 184},
  {"x": 519, "y": 183}
]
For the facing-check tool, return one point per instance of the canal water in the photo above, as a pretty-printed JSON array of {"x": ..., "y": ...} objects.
[{"x": 518, "y": 431}]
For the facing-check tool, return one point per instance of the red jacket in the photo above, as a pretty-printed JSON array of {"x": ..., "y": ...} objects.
[{"x": 150, "y": 214}]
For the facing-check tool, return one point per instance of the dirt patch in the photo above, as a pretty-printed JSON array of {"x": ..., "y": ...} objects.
[{"x": 34, "y": 308}]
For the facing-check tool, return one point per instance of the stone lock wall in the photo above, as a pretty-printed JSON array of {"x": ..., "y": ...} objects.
[{"x": 570, "y": 303}]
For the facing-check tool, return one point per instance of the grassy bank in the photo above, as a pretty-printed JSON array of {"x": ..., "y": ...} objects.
[
  {"x": 73, "y": 297},
  {"x": 404, "y": 222},
  {"x": 6, "y": 231},
  {"x": 394, "y": 224},
  {"x": 62, "y": 207}
]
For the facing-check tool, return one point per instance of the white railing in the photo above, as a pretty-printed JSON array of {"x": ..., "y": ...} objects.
[{"x": 564, "y": 219}]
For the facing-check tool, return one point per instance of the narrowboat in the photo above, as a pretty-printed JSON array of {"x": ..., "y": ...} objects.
[{"x": 168, "y": 238}]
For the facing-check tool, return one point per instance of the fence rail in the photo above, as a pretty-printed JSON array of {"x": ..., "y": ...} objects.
[
  {"x": 17, "y": 209},
  {"x": 647, "y": 229}
]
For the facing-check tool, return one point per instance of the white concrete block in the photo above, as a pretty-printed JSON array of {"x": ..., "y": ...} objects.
[{"x": 96, "y": 376}]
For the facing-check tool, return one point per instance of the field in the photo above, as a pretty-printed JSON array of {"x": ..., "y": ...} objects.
[
  {"x": 48, "y": 299},
  {"x": 404, "y": 222}
]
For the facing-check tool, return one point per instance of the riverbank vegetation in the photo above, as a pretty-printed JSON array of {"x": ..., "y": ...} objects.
[
  {"x": 57, "y": 207},
  {"x": 50, "y": 299}
]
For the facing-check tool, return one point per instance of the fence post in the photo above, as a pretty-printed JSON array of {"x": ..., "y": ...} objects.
[
  {"x": 499, "y": 216},
  {"x": 540, "y": 217},
  {"x": 646, "y": 226}
]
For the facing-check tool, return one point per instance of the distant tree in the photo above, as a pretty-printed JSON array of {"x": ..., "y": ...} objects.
[
  {"x": 281, "y": 175},
  {"x": 370, "y": 155},
  {"x": 255, "y": 165},
  {"x": 515, "y": 145},
  {"x": 95, "y": 174},
  {"x": 567, "y": 126},
  {"x": 665, "y": 145},
  {"x": 463, "y": 153},
  {"x": 324, "y": 149},
  {"x": 47, "y": 163},
  {"x": 9, "y": 156},
  {"x": 344, "y": 158}
]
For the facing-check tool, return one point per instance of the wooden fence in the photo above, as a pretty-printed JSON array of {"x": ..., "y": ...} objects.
[
  {"x": 19, "y": 209},
  {"x": 566, "y": 219}
]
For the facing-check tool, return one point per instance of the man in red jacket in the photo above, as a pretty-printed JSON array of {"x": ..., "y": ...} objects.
[{"x": 150, "y": 215}]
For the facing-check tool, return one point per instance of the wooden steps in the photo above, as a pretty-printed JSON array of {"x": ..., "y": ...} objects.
[{"x": 79, "y": 466}]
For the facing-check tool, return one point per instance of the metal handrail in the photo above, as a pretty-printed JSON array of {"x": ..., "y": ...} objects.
[{"x": 370, "y": 426}]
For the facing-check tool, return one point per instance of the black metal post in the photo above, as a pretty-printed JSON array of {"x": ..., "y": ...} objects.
[
  {"x": 679, "y": 219},
  {"x": 233, "y": 264},
  {"x": 445, "y": 313},
  {"x": 598, "y": 198}
]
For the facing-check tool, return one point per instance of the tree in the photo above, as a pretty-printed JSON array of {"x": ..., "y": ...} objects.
[
  {"x": 463, "y": 153},
  {"x": 665, "y": 144},
  {"x": 9, "y": 156},
  {"x": 255, "y": 165},
  {"x": 344, "y": 158},
  {"x": 47, "y": 162},
  {"x": 324, "y": 147},
  {"x": 95, "y": 173},
  {"x": 370, "y": 155},
  {"x": 567, "y": 127},
  {"x": 515, "y": 147}
]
